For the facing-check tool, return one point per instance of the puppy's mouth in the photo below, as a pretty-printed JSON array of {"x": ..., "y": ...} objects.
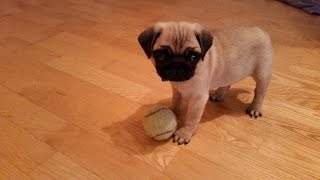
[{"x": 175, "y": 72}]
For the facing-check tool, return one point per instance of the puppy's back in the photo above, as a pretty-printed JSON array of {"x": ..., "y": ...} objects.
[
  {"x": 241, "y": 42},
  {"x": 242, "y": 35},
  {"x": 240, "y": 52}
]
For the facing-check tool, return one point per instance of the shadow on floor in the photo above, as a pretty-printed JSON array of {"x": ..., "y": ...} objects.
[{"x": 129, "y": 135}]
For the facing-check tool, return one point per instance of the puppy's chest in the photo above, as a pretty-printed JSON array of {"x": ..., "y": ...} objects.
[{"x": 190, "y": 88}]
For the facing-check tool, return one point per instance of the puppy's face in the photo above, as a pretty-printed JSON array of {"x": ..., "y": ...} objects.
[{"x": 175, "y": 48}]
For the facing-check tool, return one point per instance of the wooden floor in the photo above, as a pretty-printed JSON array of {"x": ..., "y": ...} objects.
[{"x": 74, "y": 85}]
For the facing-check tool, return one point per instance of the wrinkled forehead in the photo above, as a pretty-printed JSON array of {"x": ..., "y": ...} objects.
[{"x": 178, "y": 38}]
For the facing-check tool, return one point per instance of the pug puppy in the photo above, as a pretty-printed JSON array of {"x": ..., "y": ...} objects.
[{"x": 196, "y": 61}]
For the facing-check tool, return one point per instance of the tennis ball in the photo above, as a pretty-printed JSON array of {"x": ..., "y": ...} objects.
[{"x": 159, "y": 123}]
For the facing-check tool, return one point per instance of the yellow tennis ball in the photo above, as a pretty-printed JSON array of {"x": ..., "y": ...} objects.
[{"x": 160, "y": 123}]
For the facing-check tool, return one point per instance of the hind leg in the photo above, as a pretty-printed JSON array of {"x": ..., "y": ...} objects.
[
  {"x": 219, "y": 94},
  {"x": 262, "y": 82}
]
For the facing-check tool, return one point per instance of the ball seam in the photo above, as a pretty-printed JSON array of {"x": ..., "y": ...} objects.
[
  {"x": 154, "y": 112},
  {"x": 163, "y": 133}
]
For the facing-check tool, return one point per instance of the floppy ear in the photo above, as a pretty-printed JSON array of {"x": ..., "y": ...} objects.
[
  {"x": 204, "y": 38},
  {"x": 147, "y": 39}
]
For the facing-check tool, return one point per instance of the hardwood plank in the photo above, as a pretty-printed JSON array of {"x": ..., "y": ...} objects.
[
  {"x": 59, "y": 166},
  {"x": 122, "y": 68},
  {"x": 8, "y": 171},
  {"x": 63, "y": 95},
  {"x": 8, "y": 7},
  {"x": 260, "y": 146},
  {"x": 32, "y": 32},
  {"x": 39, "y": 18},
  {"x": 105, "y": 160},
  {"x": 47, "y": 9},
  {"x": 79, "y": 48},
  {"x": 38, "y": 53},
  {"x": 183, "y": 167},
  {"x": 4, "y": 50},
  {"x": 274, "y": 137},
  {"x": 247, "y": 163},
  {"x": 295, "y": 90},
  {"x": 14, "y": 43},
  {"x": 291, "y": 127},
  {"x": 28, "y": 116},
  {"x": 105, "y": 80},
  {"x": 20, "y": 148}
]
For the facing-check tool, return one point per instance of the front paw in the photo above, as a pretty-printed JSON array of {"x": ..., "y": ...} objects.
[
  {"x": 182, "y": 136},
  {"x": 253, "y": 111}
]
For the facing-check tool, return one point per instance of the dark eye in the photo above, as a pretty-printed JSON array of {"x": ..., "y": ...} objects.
[
  {"x": 162, "y": 54},
  {"x": 192, "y": 56}
]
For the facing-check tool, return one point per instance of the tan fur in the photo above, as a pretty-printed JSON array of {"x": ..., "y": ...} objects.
[{"x": 235, "y": 54}]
